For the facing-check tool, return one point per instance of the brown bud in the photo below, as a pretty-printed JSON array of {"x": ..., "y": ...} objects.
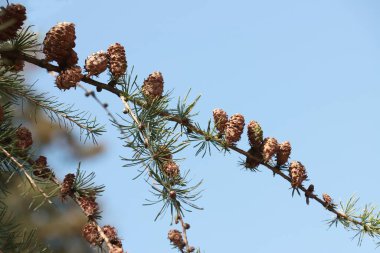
[
  {"x": 89, "y": 206},
  {"x": 67, "y": 185},
  {"x": 171, "y": 169},
  {"x": 187, "y": 225},
  {"x": 220, "y": 120},
  {"x": 11, "y": 19},
  {"x": 172, "y": 194},
  {"x": 40, "y": 168},
  {"x": 327, "y": 199}
]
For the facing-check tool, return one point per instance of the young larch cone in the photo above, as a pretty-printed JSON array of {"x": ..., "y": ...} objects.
[
  {"x": 89, "y": 206},
  {"x": 255, "y": 134},
  {"x": 234, "y": 128},
  {"x": 176, "y": 239},
  {"x": 297, "y": 173},
  {"x": 11, "y": 19},
  {"x": 253, "y": 163},
  {"x": 283, "y": 153},
  {"x": 220, "y": 120},
  {"x": 91, "y": 234},
  {"x": 40, "y": 168},
  {"x": 117, "y": 60},
  {"x": 67, "y": 185},
  {"x": 69, "y": 78},
  {"x": 171, "y": 169},
  {"x": 96, "y": 63},
  {"x": 59, "y": 43},
  {"x": 24, "y": 138},
  {"x": 111, "y": 234},
  {"x": 327, "y": 199},
  {"x": 269, "y": 148},
  {"x": 153, "y": 86}
]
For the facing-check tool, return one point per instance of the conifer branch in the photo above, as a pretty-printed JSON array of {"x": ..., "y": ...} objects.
[{"x": 29, "y": 178}]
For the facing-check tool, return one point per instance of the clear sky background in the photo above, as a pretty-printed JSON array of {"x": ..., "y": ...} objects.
[{"x": 308, "y": 71}]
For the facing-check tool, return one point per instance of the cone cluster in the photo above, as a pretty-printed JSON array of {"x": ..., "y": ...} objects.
[
  {"x": 89, "y": 206},
  {"x": 234, "y": 128},
  {"x": 176, "y": 239},
  {"x": 59, "y": 43},
  {"x": 269, "y": 148},
  {"x": 40, "y": 168},
  {"x": 153, "y": 86},
  {"x": 96, "y": 63},
  {"x": 220, "y": 120},
  {"x": 12, "y": 18},
  {"x": 117, "y": 60},
  {"x": 24, "y": 138},
  {"x": 91, "y": 234},
  {"x": 283, "y": 153},
  {"x": 69, "y": 78},
  {"x": 171, "y": 169},
  {"x": 67, "y": 185},
  {"x": 297, "y": 173}
]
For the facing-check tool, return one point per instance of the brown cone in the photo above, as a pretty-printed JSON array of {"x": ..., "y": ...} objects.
[
  {"x": 117, "y": 60},
  {"x": 234, "y": 128},
  {"x": 283, "y": 153},
  {"x": 40, "y": 168},
  {"x": 96, "y": 63},
  {"x": 111, "y": 233},
  {"x": 176, "y": 239},
  {"x": 59, "y": 43},
  {"x": 253, "y": 163},
  {"x": 153, "y": 86},
  {"x": 91, "y": 234},
  {"x": 89, "y": 206},
  {"x": 171, "y": 169},
  {"x": 67, "y": 185},
  {"x": 269, "y": 148},
  {"x": 24, "y": 138},
  {"x": 69, "y": 78},
  {"x": 220, "y": 120},
  {"x": 297, "y": 173},
  {"x": 11, "y": 19}
]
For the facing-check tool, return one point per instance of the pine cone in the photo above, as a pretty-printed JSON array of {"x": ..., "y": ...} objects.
[
  {"x": 69, "y": 78},
  {"x": 176, "y": 239},
  {"x": 96, "y": 63},
  {"x": 234, "y": 128},
  {"x": 89, "y": 206},
  {"x": 40, "y": 168},
  {"x": 255, "y": 134},
  {"x": 24, "y": 138},
  {"x": 297, "y": 173},
  {"x": 111, "y": 233},
  {"x": 171, "y": 169},
  {"x": 283, "y": 153},
  {"x": 11, "y": 19},
  {"x": 67, "y": 185},
  {"x": 117, "y": 60},
  {"x": 269, "y": 148},
  {"x": 220, "y": 120},
  {"x": 91, "y": 234},
  {"x": 59, "y": 43},
  {"x": 153, "y": 86},
  {"x": 253, "y": 163}
]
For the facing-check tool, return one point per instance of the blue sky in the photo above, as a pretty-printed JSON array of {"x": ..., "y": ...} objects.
[{"x": 308, "y": 71}]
